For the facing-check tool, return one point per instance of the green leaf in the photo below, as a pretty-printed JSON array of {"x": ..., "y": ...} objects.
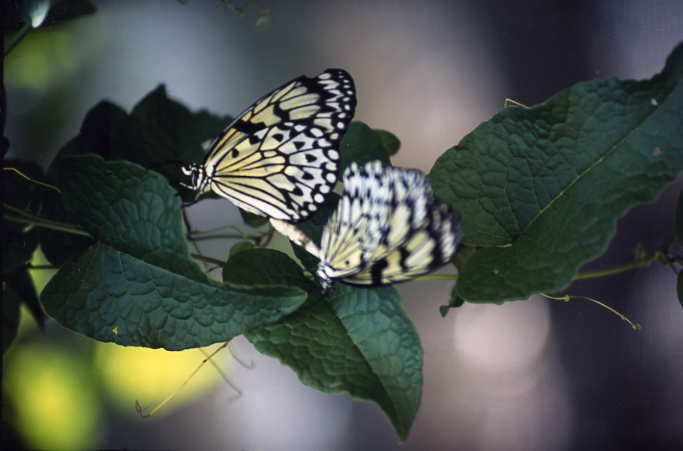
[
  {"x": 10, "y": 316},
  {"x": 159, "y": 134},
  {"x": 138, "y": 285},
  {"x": 361, "y": 342},
  {"x": 172, "y": 132},
  {"x": 108, "y": 131},
  {"x": 540, "y": 189},
  {"x": 253, "y": 220},
  {"x": 678, "y": 232},
  {"x": 455, "y": 302},
  {"x": 57, "y": 246},
  {"x": 388, "y": 341},
  {"x": 361, "y": 144},
  {"x": 20, "y": 285},
  {"x": 240, "y": 246},
  {"x": 265, "y": 266},
  {"x": 390, "y": 142}
]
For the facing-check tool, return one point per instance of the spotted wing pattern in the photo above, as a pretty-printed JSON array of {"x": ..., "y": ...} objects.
[
  {"x": 387, "y": 228},
  {"x": 280, "y": 157}
]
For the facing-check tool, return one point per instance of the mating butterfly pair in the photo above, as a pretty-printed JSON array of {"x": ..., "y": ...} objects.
[{"x": 280, "y": 159}]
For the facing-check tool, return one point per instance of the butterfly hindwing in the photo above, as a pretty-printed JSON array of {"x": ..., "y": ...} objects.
[
  {"x": 280, "y": 157},
  {"x": 359, "y": 222},
  {"x": 387, "y": 228}
]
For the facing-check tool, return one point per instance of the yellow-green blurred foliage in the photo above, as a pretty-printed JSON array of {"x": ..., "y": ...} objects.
[
  {"x": 52, "y": 396},
  {"x": 54, "y": 392},
  {"x": 48, "y": 56},
  {"x": 150, "y": 375}
]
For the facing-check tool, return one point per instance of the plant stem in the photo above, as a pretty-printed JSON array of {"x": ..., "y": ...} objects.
[
  {"x": 207, "y": 259},
  {"x": 217, "y": 236},
  {"x": 218, "y": 229},
  {"x": 438, "y": 277},
  {"x": 638, "y": 263},
  {"x": 20, "y": 35},
  {"x": 27, "y": 218}
]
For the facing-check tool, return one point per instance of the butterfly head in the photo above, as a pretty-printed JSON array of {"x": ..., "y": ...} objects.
[{"x": 199, "y": 178}]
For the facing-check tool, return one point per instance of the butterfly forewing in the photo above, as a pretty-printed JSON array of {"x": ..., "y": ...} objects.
[{"x": 280, "y": 157}]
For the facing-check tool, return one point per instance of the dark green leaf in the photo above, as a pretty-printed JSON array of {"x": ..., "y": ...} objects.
[
  {"x": 361, "y": 144},
  {"x": 240, "y": 246},
  {"x": 265, "y": 266},
  {"x": 388, "y": 342},
  {"x": 108, "y": 131},
  {"x": 390, "y": 142},
  {"x": 138, "y": 285},
  {"x": 57, "y": 246},
  {"x": 173, "y": 132},
  {"x": 361, "y": 342},
  {"x": 455, "y": 302},
  {"x": 10, "y": 316},
  {"x": 21, "y": 286},
  {"x": 678, "y": 232},
  {"x": 253, "y": 220},
  {"x": 159, "y": 134},
  {"x": 540, "y": 189}
]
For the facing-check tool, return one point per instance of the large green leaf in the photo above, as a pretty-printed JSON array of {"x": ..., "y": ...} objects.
[
  {"x": 362, "y": 144},
  {"x": 390, "y": 142},
  {"x": 159, "y": 134},
  {"x": 361, "y": 342},
  {"x": 57, "y": 246},
  {"x": 10, "y": 316},
  {"x": 540, "y": 189},
  {"x": 138, "y": 285}
]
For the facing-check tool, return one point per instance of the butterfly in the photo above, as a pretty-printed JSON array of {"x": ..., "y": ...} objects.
[
  {"x": 280, "y": 157},
  {"x": 386, "y": 228}
]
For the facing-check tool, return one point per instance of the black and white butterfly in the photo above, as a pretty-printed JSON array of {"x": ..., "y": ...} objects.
[
  {"x": 280, "y": 157},
  {"x": 387, "y": 228}
]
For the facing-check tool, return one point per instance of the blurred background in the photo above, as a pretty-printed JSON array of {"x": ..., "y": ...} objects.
[{"x": 535, "y": 374}]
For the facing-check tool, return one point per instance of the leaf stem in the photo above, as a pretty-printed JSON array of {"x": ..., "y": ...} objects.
[
  {"x": 637, "y": 263},
  {"x": 141, "y": 411},
  {"x": 20, "y": 35},
  {"x": 32, "y": 180},
  {"x": 218, "y": 229},
  {"x": 27, "y": 218},
  {"x": 219, "y": 370},
  {"x": 438, "y": 277},
  {"x": 567, "y": 298},
  {"x": 207, "y": 259},
  {"x": 216, "y": 237}
]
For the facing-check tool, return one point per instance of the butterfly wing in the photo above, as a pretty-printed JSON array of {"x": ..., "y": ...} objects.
[
  {"x": 359, "y": 222},
  {"x": 387, "y": 228},
  {"x": 425, "y": 249},
  {"x": 280, "y": 157}
]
